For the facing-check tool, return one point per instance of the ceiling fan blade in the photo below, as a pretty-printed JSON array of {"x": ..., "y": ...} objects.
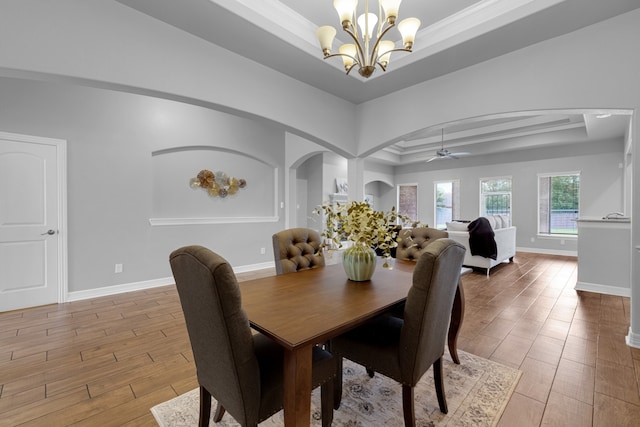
[
  {"x": 433, "y": 158},
  {"x": 460, "y": 154}
]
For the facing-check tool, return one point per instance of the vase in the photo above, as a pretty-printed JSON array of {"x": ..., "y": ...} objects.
[{"x": 359, "y": 262}]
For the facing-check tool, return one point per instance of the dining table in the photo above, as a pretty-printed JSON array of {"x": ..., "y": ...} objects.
[{"x": 309, "y": 307}]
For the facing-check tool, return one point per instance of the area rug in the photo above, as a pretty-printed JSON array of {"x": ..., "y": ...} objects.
[{"x": 477, "y": 392}]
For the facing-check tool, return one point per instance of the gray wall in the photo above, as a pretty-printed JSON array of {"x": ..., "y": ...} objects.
[
  {"x": 111, "y": 137},
  {"x": 601, "y": 184}
]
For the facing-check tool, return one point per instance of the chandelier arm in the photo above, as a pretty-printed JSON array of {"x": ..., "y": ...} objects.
[
  {"x": 380, "y": 20},
  {"x": 351, "y": 68},
  {"x": 374, "y": 57},
  {"x": 359, "y": 49},
  {"x": 400, "y": 49},
  {"x": 355, "y": 60}
]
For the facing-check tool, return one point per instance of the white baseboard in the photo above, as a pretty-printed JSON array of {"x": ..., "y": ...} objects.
[
  {"x": 118, "y": 289},
  {"x": 633, "y": 339},
  {"x": 603, "y": 289},
  {"x": 147, "y": 284},
  {"x": 547, "y": 251},
  {"x": 254, "y": 267}
]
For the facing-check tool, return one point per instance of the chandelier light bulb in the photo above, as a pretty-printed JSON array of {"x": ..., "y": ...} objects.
[
  {"x": 391, "y": 8},
  {"x": 408, "y": 28},
  {"x": 345, "y": 9},
  {"x": 325, "y": 36},
  {"x": 384, "y": 52},
  {"x": 349, "y": 53},
  {"x": 367, "y": 26}
]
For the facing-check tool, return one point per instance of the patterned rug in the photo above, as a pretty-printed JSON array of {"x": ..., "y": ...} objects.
[{"x": 477, "y": 392}]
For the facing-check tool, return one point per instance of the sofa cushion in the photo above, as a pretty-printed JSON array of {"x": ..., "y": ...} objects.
[
  {"x": 495, "y": 224},
  {"x": 457, "y": 226}
]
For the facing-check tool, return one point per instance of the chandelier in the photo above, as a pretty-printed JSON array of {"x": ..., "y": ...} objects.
[{"x": 369, "y": 49}]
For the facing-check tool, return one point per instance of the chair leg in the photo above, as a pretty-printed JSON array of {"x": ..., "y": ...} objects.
[
  {"x": 337, "y": 384},
  {"x": 326, "y": 398},
  {"x": 205, "y": 407},
  {"x": 438, "y": 380},
  {"x": 219, "y": 413},
  {"x": 457, "y": 315},
  {"x": 371, "y": 373},
  {"x": 407, "y": 406}
]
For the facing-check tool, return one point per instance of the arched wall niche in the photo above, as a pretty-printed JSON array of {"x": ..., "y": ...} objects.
[{"x": 176, "y": 202}]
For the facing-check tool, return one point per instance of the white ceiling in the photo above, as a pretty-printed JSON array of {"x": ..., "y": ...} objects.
[{"x": 454, "y": 34}]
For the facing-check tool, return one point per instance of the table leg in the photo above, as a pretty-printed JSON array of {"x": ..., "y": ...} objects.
[
  {"x": 457, "y": 314},
  {"x": 297, "y": 386}
]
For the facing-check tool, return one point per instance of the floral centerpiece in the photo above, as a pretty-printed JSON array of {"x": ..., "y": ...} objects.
[{"x": 367, "y": 228}]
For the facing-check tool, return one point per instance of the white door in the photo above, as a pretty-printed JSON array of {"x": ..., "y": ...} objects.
[{"x": 30, "y": 243}]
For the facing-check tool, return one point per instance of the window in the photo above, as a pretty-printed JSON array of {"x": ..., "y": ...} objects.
[
  {"x": 495, "y": 196},
  {"x": 558, "y": 203},
  {"x": 408, "y": 200},
  {"x": 447, "y": 202}
]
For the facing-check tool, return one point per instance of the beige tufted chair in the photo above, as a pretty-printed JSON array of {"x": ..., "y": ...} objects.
[
  {"x": 296, "y": 249},
  {"x": 413, "y": 241}
]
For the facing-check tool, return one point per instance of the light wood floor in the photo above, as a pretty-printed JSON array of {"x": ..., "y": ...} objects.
[{"x": 106, "y": 361}]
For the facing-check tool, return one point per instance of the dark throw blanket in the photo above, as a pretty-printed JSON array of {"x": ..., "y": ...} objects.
[{"x": 482, "y": 238}]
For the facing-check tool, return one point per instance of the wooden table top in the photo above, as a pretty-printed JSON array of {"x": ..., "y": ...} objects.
[{"x": 311, "y": 306}]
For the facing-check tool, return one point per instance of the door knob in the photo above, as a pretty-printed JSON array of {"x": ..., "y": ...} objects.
[{"x": 50, "y": 233}]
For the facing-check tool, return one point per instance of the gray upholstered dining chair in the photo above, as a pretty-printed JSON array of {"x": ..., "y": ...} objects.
[
  {"x": 412, "y": 242},
  {"x": 241, "y": 370},
  {"x": 296, "y": 249},
  {"x": 404, "y": 349}
]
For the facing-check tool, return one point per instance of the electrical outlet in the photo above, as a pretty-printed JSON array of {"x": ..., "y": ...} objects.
[
  {"x": 263, "y": 251},
  {"x": 562, "y": 241},
  {"x": 533, "y": 239},
  {"x": 118, "y": 268}
]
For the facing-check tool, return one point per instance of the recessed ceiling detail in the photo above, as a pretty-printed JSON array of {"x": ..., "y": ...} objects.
[{"x": 455, "y": 34}]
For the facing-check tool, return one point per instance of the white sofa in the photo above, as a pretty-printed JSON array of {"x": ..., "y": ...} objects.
[{"x": 505, "y": 237}]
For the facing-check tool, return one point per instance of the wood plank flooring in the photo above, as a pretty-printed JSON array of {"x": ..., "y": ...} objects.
[{"x": 107, "y": 361}]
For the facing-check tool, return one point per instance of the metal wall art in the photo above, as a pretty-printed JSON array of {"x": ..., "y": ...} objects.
[{"x": 217, "y": 184}]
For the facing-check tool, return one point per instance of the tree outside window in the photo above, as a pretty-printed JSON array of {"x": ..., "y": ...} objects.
[
  {"x": 495, "y": 196},
  {"x": 558, "y": 203},
  {"x": 447, "y": 202}
]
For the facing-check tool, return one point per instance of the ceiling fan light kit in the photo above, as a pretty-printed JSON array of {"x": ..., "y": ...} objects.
[{"x": 362, "y": 53}]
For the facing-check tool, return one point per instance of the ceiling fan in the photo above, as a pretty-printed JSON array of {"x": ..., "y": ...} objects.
[{"x": 443, "y": 153}]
